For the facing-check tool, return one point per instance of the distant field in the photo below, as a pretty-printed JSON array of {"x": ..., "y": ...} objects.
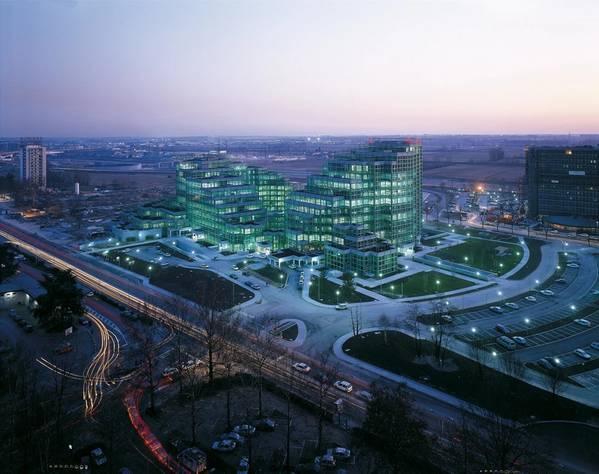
[{"x": 473, "y": 172}]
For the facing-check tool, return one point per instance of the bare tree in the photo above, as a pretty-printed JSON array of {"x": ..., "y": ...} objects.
[
  {"x": 384, "y": 322},
  {"x": 413, "y": 324},
  {"x": 148, "y": 365},
  {"x": 480, "y": 356},
  {"x": 263, "y": 349},
  {"x": 325, "y": 379},
  {"x": 439, "y": 338},
  {"x": 355, "y": 315},
  {"x": 554, "y": 381},
  {"x": 194, "y": 388}
]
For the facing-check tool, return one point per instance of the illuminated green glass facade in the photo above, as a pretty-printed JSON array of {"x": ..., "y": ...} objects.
[
  {"x": 233, "y": 205},
  {"x": 378, "y": 187}
]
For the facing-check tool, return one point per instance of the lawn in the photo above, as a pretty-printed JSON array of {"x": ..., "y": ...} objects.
[
  {"x": 275, "y": 275},
  {"x": 423, "y": 283},
  {"x": 468, "y": 380},
  {"x": 534, "y": 260},
  {"x": 328, "y": 293},
  {"x": 200, "y": 286},
  {"x": 483, "y": 254},
  {"x": 480, "y": 233}
]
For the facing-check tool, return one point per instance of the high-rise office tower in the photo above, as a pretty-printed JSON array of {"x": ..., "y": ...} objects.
[
  {"x": 32, "y": 165},
  {"x": 378, "y": 187},
  {"x": 563, "y": 185}
]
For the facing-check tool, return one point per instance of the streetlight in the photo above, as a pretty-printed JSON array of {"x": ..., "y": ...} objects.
[
  {"x": 526, "y": 320},
  {"x": 337, "y": 293}
]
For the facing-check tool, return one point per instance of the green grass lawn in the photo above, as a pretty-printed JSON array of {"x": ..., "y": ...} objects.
[
  {"x": 480, "y": 233},
  {"x": 200, "y": 286},
  {"x": 534, "y": 259},
  {"x": 469, "y": 381},
  {"x": 423, "y": 283},
  {"x": 275, "y": 275},
  {"x": 481, "y": 254},
  {"x": 328, "y": 293}
]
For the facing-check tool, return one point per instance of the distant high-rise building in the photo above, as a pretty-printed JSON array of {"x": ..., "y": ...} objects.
[
  {"x": 32, "y": 165},
  {"x": 563, "y": 185}
]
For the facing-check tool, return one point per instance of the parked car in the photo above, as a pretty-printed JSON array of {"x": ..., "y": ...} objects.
[
  {"x": 502, "y": 329},
  {"x": 512, "y": 305},
  {"x": 547, "y": 292},
  {"x": 365, "y": 395},
  {"x": 266, "y": 424},
  {"x": 235, "y": 267},
  {"x": 582, "y": 354},
  {"x": 560, "y": 280},
  {"x": 572, "y": 265},
  {"x": 496, "y": 309},
  {"x": 506, "y": 342},
  {"x": 301, "y": 367},
  {"x": 224, "y": 445},
  {"x": 326, "y": 460},
  {"x": 583, "y": 322},
  {"x": 204, "y": 265},
  {"x": 340, "y": 453},
  {"x": 344, "y": 386},
  {"x": 64, "y": 348},
  {"x": 530, "y": 298},
  {"x": 234, "y": 276},
  {"x": 245, "y": 429},
  {"x": 254, "y": 286},
  {"x": 90, "y": 294},
  {"x": 98, "y": 456},
  {"x": 520, "y": 340},
  {"x": 341, "y": 306},
  {"x": 234, "y": 436},
  {"x": 545, "y": 364},
  {"x": 447, "y": 318},
  {"x": 595, "y": 345}
]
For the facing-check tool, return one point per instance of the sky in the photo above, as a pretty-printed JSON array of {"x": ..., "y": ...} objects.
[{"x": 285, "y": 67}]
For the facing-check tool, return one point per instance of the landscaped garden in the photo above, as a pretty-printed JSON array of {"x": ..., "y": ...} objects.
[
  {"x": 534, "y": 259},
  {"x": 487, "y": 255},
  {"x": 423, "y": 283},
  {"x": 327, "y": 292},
  {"x": 458, "y": 375},
  {"x": 275, "y": 275}
]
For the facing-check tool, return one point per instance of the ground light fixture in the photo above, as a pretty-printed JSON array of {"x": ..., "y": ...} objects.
[
  {"x": 494, "y": 353},
  {"x": 557, "y": 361},
  {"x": 473, "y": 329},
  {"x": 526, "y": 320},
  {"x": 573, "y": 307},
  {"x": 432, "y": 329}
]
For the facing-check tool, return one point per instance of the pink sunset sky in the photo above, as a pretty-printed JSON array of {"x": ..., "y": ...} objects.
[{"x": 163, "y": 67}]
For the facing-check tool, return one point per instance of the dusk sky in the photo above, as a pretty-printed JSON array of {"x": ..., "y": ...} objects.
[{"x": 119, "y": 67}]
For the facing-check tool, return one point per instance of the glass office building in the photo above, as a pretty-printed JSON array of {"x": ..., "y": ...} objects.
[
  {"x": 378, "y": 187},
  {"x": 563, "y": 186},
  {"x": 232, "y": 205}
]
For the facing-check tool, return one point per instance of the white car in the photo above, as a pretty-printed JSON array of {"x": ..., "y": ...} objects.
[
  {"x": 512, "y": 305},
  {"x": 341, "y": 306},
  {"x": 341, "y": 453},
  {"x": 344, "y": 386},
  {"x": 204, "y": 265},
  {"x": 98, "y": 456},
  {"x": 530, "y": 298},
  {"x": 595, "y": 345},
  {"x": 582, "y": 354},
  {"x": 447, "y": 318},
  {"x": 572, "y": 265},
  {"x": 245, "y": 430},
  {"x": 547, "y": 292},
  {"x": 583, "y": 322},
  {"x": 595, "y": 292},
  {"x": 496, "y": 309},
  {"x": 301, "y": 367},
  {"x": 520, "y": 340}
]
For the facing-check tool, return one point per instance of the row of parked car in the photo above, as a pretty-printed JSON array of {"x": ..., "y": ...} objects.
[{"x": 553, "y": 362}]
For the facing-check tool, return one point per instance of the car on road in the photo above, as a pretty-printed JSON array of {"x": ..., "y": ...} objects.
[
  {"x": 98, "y": 456},
  {"x": 496, "y": 309},
  {"x": 266, "y": 424},
  {"x": 204, "y": 265},
  {"x": 582, "y": 354},
  {"x": 595, "y": 345},
  {"x": 234, "y": 436},
  {"x": 341, "y": 306},
  {"x": 520, "y": 340},
  {"x": 365, "y": 395},
  {"x": 254, "y": 286},
  {"x": 244, "y": 430},
  {"x": 583, "y": 322},
  {"x": 502, "y": 329},
  {"x": 572, "y": 265},
  {"x": 547, "y": 292},
  {"x": 224, "y": 445},
  {"x": 301, "y": 367},
  {"x": 68, "y": 347},
  {"x": 530, "y": 298},
  {"x": 344, "y": 386},
  {"x": 90, "y": 293},
  {"x": 235, "y": 267},
  {"x": 512, "y": 305}
]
